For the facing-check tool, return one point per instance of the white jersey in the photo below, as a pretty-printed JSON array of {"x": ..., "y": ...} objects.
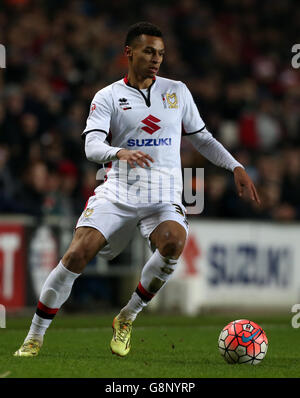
[{"x": 152, "y": 121}]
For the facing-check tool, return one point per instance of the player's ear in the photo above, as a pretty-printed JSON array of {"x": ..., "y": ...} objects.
[{"x": 128, "y": 51}]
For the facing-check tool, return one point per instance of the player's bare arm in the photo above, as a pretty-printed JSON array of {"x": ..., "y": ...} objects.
[{"x": 245, "y": 186}]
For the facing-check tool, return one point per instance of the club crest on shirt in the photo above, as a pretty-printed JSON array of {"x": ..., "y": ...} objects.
[
  {"x": 88, "y": 212},
  {"x": 172, "y": 100}
]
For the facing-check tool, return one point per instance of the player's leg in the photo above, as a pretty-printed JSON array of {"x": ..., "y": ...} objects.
[
  {"x": 86, "y": 243},
  {"x": 168, "y": 239}
]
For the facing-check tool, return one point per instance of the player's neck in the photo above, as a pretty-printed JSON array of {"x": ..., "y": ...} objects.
[{"x": 138, "y": 81}]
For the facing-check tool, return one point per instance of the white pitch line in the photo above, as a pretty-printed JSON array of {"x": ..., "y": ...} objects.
[
  {"x": 5, "y": 374},
  {"x": 200, "y": 327}
]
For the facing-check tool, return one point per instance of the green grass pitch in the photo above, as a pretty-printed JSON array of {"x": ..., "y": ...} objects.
[{"x": 163, "y": 346}]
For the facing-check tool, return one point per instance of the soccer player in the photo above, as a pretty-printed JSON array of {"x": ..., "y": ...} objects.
[{"x": 135, "y": 122}]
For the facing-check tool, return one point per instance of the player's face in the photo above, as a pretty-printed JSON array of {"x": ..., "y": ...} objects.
[{"x": 146, "y": 55}]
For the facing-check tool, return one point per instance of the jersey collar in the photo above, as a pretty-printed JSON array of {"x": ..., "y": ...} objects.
[
  {"x": 126, "y": 81},
  {"x": 146, "y": 99}
]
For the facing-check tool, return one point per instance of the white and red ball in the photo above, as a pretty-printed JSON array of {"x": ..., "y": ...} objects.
[{"x": 243, "y": 341}]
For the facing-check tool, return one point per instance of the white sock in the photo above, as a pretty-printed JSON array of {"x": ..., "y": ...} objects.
[
  {"x": 156, "y": 272},
  {"x": 133, "y": 307},
  {"x": 55, "y": 291}
]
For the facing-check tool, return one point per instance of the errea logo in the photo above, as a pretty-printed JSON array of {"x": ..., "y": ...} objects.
[{"x": 151, "y": 126}]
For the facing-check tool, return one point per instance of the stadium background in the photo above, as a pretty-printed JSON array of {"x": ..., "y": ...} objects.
[{"x": 234, "y": 55}]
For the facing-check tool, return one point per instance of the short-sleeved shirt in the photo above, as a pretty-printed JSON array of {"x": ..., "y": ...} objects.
[{"x": 153, "y": 121}]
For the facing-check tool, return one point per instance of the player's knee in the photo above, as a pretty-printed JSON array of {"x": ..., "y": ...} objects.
[
  {"x": 75, "y": 260},
  {"x": 171, "y": 246}
]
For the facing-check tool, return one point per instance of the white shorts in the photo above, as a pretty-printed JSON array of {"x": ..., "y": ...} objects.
[{"x": 117, "y": 221}]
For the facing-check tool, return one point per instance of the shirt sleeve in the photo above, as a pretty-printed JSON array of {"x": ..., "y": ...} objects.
[
  {"x": 192, "y": 122},
  {"x": 100, "y": 114},
  {"x": 213, "y": 150},
  {"x": 97, "y": 150}
]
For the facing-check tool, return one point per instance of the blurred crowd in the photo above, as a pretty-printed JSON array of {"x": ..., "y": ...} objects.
[{"x": 234, "y": 55}]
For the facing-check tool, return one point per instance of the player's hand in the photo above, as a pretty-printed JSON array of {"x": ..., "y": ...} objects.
[
  {"x": 244, "y": 185},
  {"x": 134, "y": 157}
]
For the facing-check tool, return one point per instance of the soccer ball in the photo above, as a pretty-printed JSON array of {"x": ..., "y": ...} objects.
[{"x": 243, "y": 341}]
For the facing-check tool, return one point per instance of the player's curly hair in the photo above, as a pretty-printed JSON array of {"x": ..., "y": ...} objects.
[{"x": 141, "y": 28}]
